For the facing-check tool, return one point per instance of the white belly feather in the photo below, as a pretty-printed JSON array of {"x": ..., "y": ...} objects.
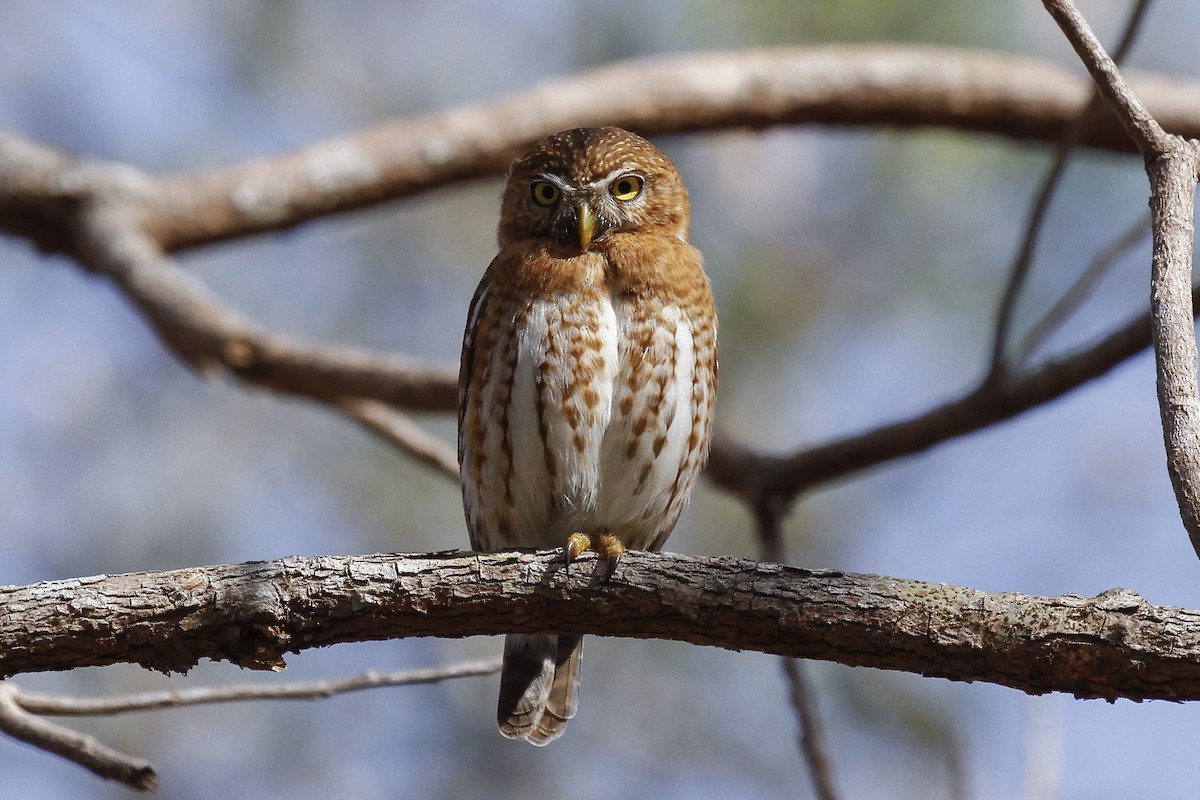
[{"x": 606, "y": 438}]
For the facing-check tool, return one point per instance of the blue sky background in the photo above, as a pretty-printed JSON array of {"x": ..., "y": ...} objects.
[{"x": 856, "y": 274}]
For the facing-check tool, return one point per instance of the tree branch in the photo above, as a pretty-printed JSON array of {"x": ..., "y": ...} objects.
[
  {"x": 1069, "y": 301},
  {"x": 17, "y": 707},
  {"x": 47, "y": 192},
  {"x": 84, "y": 750},
  {"x": 1173, "y": 184},
  {"x": 58, "y": 705},
  {"x": 1145, "y": 131},
  {"x": 1114, "y": 645},
  {"x": 756, "y": 475},
  {"x": 210, "y": 336},
  {"x": 837, "y": 85},
  {"x": 1019, "y": 271},
  {"x": 1172, "y": 164},
  {"x": 877, "y": 85},
  {"x": 812, "y": 740},
  {"x": 400, "y": 431}
]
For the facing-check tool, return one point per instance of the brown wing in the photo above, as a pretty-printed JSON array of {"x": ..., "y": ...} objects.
[{"x": 480, "y": 306}]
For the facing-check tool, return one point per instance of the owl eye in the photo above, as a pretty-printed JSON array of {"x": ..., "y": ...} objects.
[
  {"x": 545, "y": 193},
  {"x": 626, "y": 187}
]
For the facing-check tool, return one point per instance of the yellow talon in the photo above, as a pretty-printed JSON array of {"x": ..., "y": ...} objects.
[
  {"x": 611, "y": 549},
  {"x": 605, "y": 545},
  {"x": 576, "y": 544}
]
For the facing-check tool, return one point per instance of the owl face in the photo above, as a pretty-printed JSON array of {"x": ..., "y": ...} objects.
[{"x": 582, "y": 186}]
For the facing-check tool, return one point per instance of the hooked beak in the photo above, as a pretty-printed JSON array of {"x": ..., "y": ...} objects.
[{"x": 585, "y": 223}]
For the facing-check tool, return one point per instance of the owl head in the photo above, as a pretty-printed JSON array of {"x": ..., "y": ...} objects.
[{"x": 581, "y": 186}]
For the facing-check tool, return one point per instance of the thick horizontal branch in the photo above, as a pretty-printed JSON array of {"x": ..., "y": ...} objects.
[
  {"x": 875, "y": 86},
  {"x": 878, "y": 86},
  {"x": 1114, "y": 645}
]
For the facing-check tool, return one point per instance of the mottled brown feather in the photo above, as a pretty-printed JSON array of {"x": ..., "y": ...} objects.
[{"x": 587, "y": 380}]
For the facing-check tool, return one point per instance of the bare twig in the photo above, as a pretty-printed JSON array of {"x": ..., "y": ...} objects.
[
  {"x": 397, "y": 429},
  {"x": 768, "y": 516},
  {"x": 17, "y": 707},
  {"x": 1019, "y": 271},
  {"x": 1101, "y": 263},
  {"x": 768, "y": 528},
  {"x": 58, "y": 705},
  {"x": 1171, "y": 163},
  {"x": 753, "y": 475},
  {"x": 812, "y": 733},
  {"x": 958, "y": 785},
  {"x": 84, "y": 750},
  {"x": 1145, "y": 131}
]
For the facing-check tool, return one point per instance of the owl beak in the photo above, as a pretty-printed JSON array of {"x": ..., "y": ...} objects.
[{"x": 585, "y": 224}]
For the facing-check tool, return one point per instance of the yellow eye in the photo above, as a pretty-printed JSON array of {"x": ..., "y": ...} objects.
[
  {"x": 626, "y": 187},
  {"x": 545, "y": 193}
]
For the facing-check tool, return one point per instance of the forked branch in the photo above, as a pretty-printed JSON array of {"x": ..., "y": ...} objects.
[{"x": 1171, "y": 163}]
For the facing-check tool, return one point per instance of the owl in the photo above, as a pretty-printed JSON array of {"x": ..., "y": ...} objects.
[{"x": 588, "y": 374}]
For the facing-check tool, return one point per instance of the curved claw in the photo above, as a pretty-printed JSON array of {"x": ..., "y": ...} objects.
[
  {"x": 605, "y": 545},
  {"x": 576, "y": 544},
  {"x": 611, "y": 548}
]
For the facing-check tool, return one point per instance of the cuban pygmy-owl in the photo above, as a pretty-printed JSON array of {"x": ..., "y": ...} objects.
[{"x": 588, "y": 374}]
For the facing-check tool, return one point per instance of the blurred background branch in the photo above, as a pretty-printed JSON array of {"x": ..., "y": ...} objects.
[
  {"x": 870, "y": 86},
  {"x": 875, "y": 86},
  {"x": 18, "y": 707},
  {"x": 1038, "y": 212},
  {"x": 116, "y": 221}
]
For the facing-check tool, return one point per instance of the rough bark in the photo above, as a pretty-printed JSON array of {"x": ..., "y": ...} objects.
[
  {"x": 1173, "y": 180},
  {"x": 1114, "y": 645}
]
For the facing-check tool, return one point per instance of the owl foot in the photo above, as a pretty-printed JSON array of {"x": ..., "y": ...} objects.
[{"x": 606, "y": 545}]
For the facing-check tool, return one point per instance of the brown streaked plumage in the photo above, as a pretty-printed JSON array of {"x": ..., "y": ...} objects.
[{"x": 589, "y": 370}]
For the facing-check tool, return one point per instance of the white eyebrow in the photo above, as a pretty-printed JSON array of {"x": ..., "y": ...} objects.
[
  {"x": 610, "y": 177},
  {"x": 557, "y": 180},
  {"x": 566, "y": 187}
]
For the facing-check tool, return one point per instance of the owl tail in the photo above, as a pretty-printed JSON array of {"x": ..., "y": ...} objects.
[{"x": 539, "y": 686}]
